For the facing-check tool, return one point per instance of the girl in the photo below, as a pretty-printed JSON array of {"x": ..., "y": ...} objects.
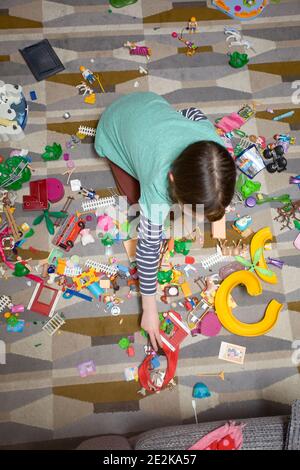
[{"x": 160, "y": 156}]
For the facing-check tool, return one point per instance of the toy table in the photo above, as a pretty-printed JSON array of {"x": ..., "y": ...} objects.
[{"x": 241, "y": 9}]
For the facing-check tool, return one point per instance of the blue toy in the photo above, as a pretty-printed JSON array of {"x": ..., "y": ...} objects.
[{"x": 200, "y": 390}]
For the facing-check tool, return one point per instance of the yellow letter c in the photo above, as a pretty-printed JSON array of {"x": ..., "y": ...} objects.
[{"x": 224, "y": 312}]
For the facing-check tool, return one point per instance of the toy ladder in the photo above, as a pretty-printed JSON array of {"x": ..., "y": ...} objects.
[
  {"x": 54, "y": 324},
  {"x": 67, "y": 204},
  {"x": 12, "y": 223}
]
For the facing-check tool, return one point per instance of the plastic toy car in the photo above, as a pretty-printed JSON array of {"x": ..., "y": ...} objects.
[
  {"x": 68, "y": 233},
  {"x": 279, "y": 162}
]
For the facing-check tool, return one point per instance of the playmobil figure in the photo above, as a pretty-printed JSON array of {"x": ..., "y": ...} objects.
[
  {"x": 135, "y": 49},
  {"x": 87, "y": 74},
  {"x": 192, "y": 25}
]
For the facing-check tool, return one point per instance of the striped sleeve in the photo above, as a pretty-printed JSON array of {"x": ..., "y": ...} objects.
[
  {"x": 194, "y": 114},
  {"x": 147, "y": 254}
]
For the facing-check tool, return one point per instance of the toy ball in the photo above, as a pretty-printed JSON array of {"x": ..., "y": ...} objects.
[
  {"x": 210, "y": 325},
  {"x": 200, "y": 390},
  {"x": 55, "y": 190},
  {"x": 174, "y": 35}
]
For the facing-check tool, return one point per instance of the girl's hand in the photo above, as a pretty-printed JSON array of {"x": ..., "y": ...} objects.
[{"x": 150, "y": 320}]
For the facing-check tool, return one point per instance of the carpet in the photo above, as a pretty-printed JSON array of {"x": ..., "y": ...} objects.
[{"x": 42, "y": 396}]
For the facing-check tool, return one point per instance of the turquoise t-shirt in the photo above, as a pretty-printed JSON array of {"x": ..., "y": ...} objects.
[{"x": 143, "y": 134}]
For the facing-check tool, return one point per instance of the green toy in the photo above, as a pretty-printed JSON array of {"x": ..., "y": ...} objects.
[
  {"x": 108, "y": 240},
  {"x": 20, "y": 270},
  {"x": 46, "y": 215},
  {"x": 284, "y": 199},
  {"x": 254, "y": 266},
  {"x": 182, "y": 246},
  {"x": 52, "y": 152},
  {"x": 164, "y": 277},
  {"x": 238, "y": 60},
  {"x": 14, "y": 172},
  {"x": 297, "y": 224},
  {"x": 249, "y": 187},
  {"x": 124, "y": 343},
  {"x": 121, "y": 3}
]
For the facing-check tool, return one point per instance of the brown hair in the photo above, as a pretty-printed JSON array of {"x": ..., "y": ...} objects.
[{"x": 204, "y": 173}]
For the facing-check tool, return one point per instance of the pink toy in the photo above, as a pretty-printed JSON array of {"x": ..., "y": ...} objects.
[
  {"x": 105, "y": 223},
  {"x": 297, "y": 242},
  {"x": 86, "y": 237},
  {"x": 231, "y": 122},
  {"x": 87, "y": 368},
  {"x": 134, "y": 49},
  {"x": 227, "y": 437},
  {"x": 55, "y": 190},
  {"x": 210, "y": 325}
]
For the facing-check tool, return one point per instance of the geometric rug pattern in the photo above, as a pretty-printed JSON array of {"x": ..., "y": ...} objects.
[{"x": 42, "y": 396}]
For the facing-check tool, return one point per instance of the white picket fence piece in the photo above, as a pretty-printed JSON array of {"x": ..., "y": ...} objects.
[
  {"x": 102, "y": 268},
  {"x": 211, "y": 260},
  {"x": 93, "y": 204},
  {"x": 5, "y": 302},
  {"x": 84, "y": 130}
]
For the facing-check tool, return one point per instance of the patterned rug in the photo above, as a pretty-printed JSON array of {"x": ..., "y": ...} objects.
[{"x": 42, "y": 396}]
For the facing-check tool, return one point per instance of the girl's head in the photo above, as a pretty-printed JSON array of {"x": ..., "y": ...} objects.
[{"x": 204, "y": 173}]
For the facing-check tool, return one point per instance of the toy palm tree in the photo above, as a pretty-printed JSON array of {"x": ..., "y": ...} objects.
[{"x": 46, "y": 215}]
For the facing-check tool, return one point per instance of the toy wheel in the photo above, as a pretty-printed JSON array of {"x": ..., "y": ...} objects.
[
  {"x": 282, "y": 164},
  {"x": 81, "y": 224},
  {"x": 271, "y": 167},
  {"x": 267, "y": 154},
  {"x": 279, "y": 150},
  {"x": 70, "y": 243}
]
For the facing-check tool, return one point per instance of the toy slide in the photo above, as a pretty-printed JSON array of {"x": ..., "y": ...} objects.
[
  {"x": 258, "y": 241},
  {"x": 224, "y": 312}
]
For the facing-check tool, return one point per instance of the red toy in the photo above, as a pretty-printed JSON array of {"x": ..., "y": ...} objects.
[
  {"x": 38, "y": 197},
  {"x": 171, "y": 343},
  {"x": 67, "y": 234}
]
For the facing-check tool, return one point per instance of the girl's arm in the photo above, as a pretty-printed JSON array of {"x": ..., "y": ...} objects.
[{"x": 147, "y": 256}]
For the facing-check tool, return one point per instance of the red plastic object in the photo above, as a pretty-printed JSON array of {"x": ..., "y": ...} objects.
[
  {"x": 131, "y": 351},
  {"x": 55, "y": 190},
  {"x": 38, "y": 197},
  {"x": 189, "y": 260},
  {"x": 171, "y": 349}
]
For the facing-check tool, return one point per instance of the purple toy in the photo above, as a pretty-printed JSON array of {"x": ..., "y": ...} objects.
[
  {"x": 86, "y": 368},
  {"x": 275, "y": 262},
  {"x": 250, "y": 201}
]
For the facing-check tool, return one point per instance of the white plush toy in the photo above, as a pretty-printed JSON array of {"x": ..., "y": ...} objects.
[{"x": 9, "y": 127}]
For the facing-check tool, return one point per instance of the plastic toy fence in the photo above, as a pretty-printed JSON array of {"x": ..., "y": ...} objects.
[
  {"x": 101, "y": 267},
  {"x": 211, "y": 260},
  {"x": 84, "y": 130},
  {"x": 53, "y": 324},
  {"x": 92, "y": 204},
  {"x": 72, "y": 271},
  {"x": 5, "y": 302}
]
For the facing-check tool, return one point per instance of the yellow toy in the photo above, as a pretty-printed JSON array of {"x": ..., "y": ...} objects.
[
  {"x": 253, "y": 286},
  {"x": 258, "y": 241},
  {"x": 85, "y": 279}
]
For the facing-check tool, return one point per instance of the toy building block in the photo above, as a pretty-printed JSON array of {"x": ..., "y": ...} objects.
[
  {"x": 54, "y": 324},
  {"x": 218, "y": 229},
  {"x": 38, "y": 197},
  {"x": 186, "y": 289}
]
